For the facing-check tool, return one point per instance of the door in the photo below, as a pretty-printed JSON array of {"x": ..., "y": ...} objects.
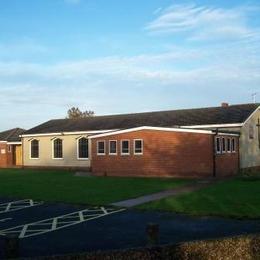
[{"x": 18, "y": 155}]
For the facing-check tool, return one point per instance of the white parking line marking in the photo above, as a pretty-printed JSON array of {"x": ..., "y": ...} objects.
[
  {"x": 18, "y": 205},
  {"x": 104, "y": 210},
  {"x": 60, "y": 222},
  {"x": 24, "y": 230},
  {"x": 54, "y": 224},
  {"x": 5, "y": 219}
]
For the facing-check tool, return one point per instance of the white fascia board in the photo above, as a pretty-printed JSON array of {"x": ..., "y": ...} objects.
[
  {"x": 3, "y": 142},
  {"x": 14, "y": 143},
  {"x": 35, "y": 135},
  {"x": 251, "y": 115},
  {"x": 89, "y": 132},
  {"x": 166, "y": 129},
  {"x": 213, "y": 126},
  {"x": 227, "y": 134},
  {"x": 68, "y": 133}
]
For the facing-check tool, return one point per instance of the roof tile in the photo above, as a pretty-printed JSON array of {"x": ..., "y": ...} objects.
[{"x": 184, "y": 117}]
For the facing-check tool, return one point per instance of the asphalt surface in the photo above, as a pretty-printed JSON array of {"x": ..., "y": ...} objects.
[{"x": 125, "y": 229}]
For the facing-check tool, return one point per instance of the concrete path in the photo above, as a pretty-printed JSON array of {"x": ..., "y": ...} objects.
[{"x": 164, "y": 194}]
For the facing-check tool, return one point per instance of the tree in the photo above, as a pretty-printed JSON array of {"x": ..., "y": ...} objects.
[{"x": 75, "y": 112}]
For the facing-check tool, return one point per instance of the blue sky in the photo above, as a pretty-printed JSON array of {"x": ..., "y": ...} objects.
[{"x": 124, "y": 56}]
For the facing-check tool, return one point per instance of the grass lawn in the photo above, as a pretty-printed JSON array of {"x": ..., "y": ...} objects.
[
  {"x": 62, "y": 186},
  {"x": 231, "y": 198}
]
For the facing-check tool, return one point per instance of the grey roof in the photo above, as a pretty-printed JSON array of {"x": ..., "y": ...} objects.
[
  {"x": 12, "y": 135},
  {"x": 184, "y": 117}
]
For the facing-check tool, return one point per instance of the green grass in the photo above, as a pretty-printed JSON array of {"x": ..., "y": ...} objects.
[
  {"x": 62, "y": 186},
  {"x": 238, "y": 198}
]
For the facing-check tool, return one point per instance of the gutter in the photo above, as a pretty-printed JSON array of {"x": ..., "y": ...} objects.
[
  {"x": 68, "y": 133},
  {"x": 214, "y": 125},
  {"x": 214, "y": 154}
]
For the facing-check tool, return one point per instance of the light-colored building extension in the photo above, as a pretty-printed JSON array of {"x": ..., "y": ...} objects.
[
  {"x": 229, "y": 135},
  {"x": 249, "y": 131}
]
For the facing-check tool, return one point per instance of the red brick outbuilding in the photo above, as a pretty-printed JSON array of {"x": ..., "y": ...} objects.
[
  {"x": 161, "y": 152},
  {"x": 11, "y": 148}
]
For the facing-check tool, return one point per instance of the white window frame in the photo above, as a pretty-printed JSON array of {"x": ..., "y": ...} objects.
[
  {"x": 142, "y": 147},
  {"x": 220, "y": 145},
  {"x": 101, "y": 141},
  {"x": 121, "y": 147},
  {"x": 9, "y": 149},
  {"x": 79, "y": 158},
  {"x": 230, "y": 149},
  {"x": 233, "y": 147},
  {"x": 109, "y": 152},
  {"x": 53, "y": 149},
  {"x": 31, "y": 150}
]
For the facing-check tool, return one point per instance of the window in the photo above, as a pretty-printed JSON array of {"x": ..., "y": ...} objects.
[
  {"x": 228, "y": 145},
  {"x": 113, "y": 147},
  {"x": 34, "y": 149},
  {"x": 138, "y": 146},
  {"x": 233, "y": 145},
  {"x": 218, "y": 145},
  {"x": 9, "y": 148},
  {"x": 251, "y": 132},
  {"x": 57, "y": 149},
  {"x": 101, "y": 148},
  {"x": 223, "y": 145},
  {"x": 83, "y": 148},
  {"x": 125, "y": 147}
]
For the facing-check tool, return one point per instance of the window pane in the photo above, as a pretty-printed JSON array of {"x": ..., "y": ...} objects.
[
  {"x": 112, "y": 147},
  {"x": 218, "y": 145},
  {"x": 101, "y": 147},
  {"x": 34, "y": 149},
  {"x": 228, "y": 145},
  {"x": 138, "y": 144},
  {"x": 125, "y": 147},
  {"x": 57, "y": 148},
  {"x": 83, "y": 148},
  {"x": 223, "y": 145},
  {"x": 251, "y": 132},
  {"x": 233, "y": 145}
]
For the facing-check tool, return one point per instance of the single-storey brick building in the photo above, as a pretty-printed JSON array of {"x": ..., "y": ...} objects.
[
  {"x": 160, "y": 151},
  {"x": 11, "y": 148},
  {"x": 214, "y": 141}
]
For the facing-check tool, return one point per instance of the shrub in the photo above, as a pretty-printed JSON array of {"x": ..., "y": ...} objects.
[{"x": 237, "y": 248}]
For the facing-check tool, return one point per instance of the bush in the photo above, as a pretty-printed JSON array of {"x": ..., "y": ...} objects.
[
  {"x": 237, "y": 248},
  {"x": 231, "y": 248}
]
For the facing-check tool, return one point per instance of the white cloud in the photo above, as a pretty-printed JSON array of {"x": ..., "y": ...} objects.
[
  {"x": 194, "y": 66},
  {"x": 38, "y": 92},
  {"x": 203, "y": 22},
  {"x": 180, "y": 76}
]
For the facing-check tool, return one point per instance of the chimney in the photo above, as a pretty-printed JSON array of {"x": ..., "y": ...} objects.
[{"x": 224, "y": 104}]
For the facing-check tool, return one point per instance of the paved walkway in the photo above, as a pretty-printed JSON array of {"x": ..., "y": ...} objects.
[{"x": 164, "y": 194}]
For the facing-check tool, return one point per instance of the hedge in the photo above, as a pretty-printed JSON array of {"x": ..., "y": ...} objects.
[{"x": 243, "y": 247}]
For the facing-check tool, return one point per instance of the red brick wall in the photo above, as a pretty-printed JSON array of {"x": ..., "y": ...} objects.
[
  {"x": 6, "y": 160},
  {"x": 228, "y": 163},
  {"x": 175, "y": 154},
  {"x": 165, "y": 153}
]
